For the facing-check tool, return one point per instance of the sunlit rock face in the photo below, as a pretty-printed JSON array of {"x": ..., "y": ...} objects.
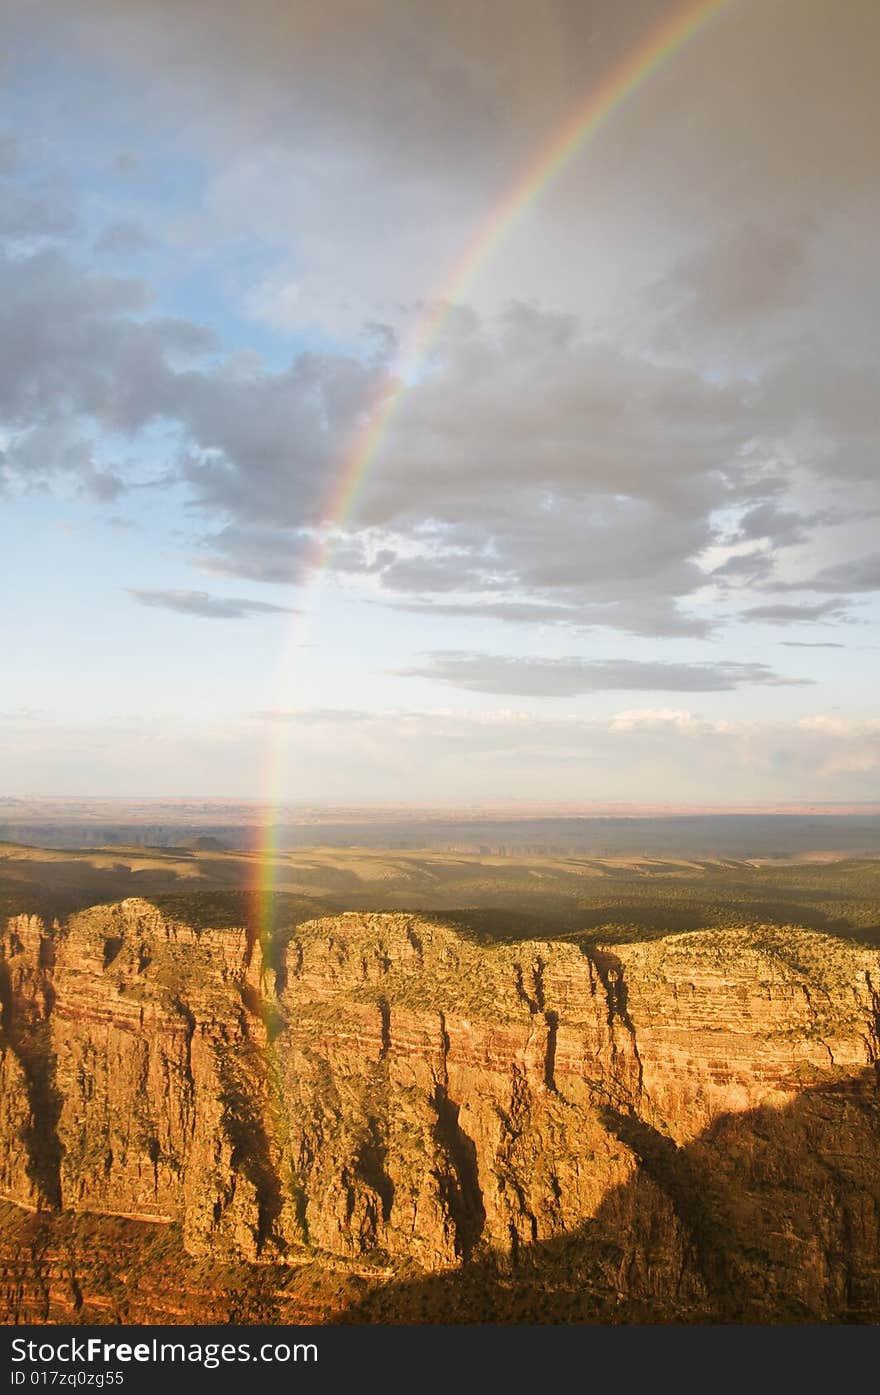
[{"x": 677, "y": 1117}]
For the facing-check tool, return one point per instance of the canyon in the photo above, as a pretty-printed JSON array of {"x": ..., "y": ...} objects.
[{"x": 429, "y": 1124}]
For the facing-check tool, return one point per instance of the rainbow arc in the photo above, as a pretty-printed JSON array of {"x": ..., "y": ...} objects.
[{"x": 656, "y": 49}]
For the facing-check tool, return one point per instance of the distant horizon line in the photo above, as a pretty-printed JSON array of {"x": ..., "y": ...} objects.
[{"x": 33, "y": 806}]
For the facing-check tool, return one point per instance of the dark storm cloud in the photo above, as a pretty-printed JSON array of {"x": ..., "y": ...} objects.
[
  {"x": 208, "y": 607},
  {"x": 569, "y": 677}
]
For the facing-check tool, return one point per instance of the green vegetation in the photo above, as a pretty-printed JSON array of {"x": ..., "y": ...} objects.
[{"x": 487, "y": 897}]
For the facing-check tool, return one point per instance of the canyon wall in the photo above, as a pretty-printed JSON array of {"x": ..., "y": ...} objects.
[{"x": 679, "y": 1120}]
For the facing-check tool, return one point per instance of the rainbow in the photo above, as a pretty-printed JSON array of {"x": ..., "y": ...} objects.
[{"x": 656, "y": 49}]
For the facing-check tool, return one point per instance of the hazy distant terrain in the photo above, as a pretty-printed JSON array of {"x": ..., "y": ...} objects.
[{"x": 607, "y": 832}]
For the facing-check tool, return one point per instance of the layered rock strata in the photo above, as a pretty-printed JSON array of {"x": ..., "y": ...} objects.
[{"x": 383, "y": 1092}]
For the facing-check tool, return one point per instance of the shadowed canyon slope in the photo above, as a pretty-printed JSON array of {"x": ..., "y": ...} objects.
[{"x": 681, "y": 1129}]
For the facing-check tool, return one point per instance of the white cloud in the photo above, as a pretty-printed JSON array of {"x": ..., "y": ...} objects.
[
  {"x": 659, "y": 719},
  {"x": 665, "y": 755}
]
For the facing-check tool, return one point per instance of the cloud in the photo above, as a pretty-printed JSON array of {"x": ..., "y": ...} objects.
[
  {"x": 782, "y": 527},
  {"x": 773, "y": 614},
  {"x": 285, "y": 555},
  {"x": 858, "y": 574},
  {"x": 659, "y": 719},
  {"x": 552, "y": 470},
  {"x": 9, "y": 153},
  {"x": 267, "y": 446},
  {"x": 511, "y": 612},
  {"x": 545, "y": 465},
  {"x": 209, "y": 607},
  {"x": 812, "y": 644},
  {"x": 123, "y": 237},
  {"x": 71, "y": 348},
  {"x": 397, "y": 122},
  {"x": 748, "y": 568},
  {"x": 635, "y": 457},
  {"x": 568, "y": 677},
  {"x": 665, "y": 755},
  {"x": 259, "y": 554},
  {"x": 632, "y": 455},
  {"x": 644, "y": 617},
  {"x": 55, "y": 448},
  {"x": 751, "y": 271},
  {"x": 27, "y": 214},
  {"x": 76, "y": 353},
  {"x": 661, "y": 396},
  {"x": 531, "y": 472},
  {"x": 452, "y": 571},
  {"x": 434, "y": 86}
]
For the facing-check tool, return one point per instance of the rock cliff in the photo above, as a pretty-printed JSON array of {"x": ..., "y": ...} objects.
[{"x": 690, "y": 1122}]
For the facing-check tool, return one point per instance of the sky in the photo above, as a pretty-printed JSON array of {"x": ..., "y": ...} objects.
[{"x": 618, "y": 539}]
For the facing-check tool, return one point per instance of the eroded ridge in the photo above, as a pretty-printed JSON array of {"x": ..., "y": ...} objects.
[{"x": 383, "y": 1092}]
